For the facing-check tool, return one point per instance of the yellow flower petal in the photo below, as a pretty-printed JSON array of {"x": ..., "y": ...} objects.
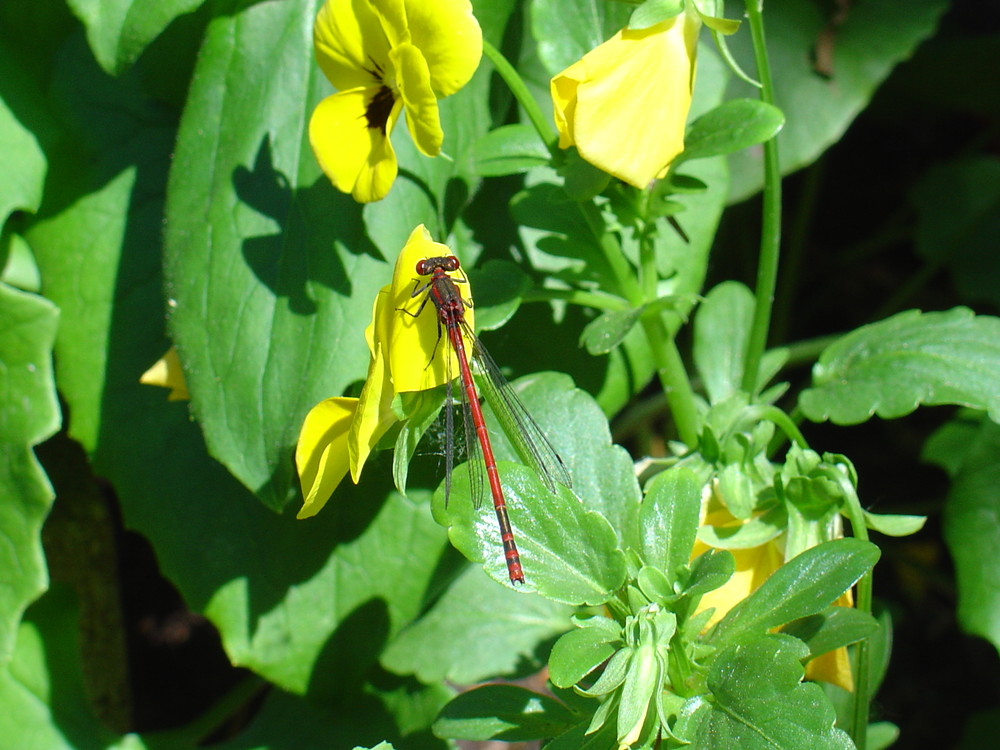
[
  {"x": 350, "y": 43},
  {"x": 450, "y": 40},
  {"x": 375, "y": 415},
  {"x": 321, "y": 454},
  {"x": 753, "y": 567},
  {"x": 167, "y": 373},
  {"x": 625, "y": 104},
  {"x": 357, "y": 158},
  {"x": 419, "y": 101},
  {"x": 833, "y": 667},
  {"x": 420, "y": 356}
]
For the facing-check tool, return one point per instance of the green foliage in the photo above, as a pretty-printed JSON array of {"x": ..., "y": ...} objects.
[
  {"x": 891, "y": 367},
  {"x": 160, "y": 191},
  {"x": 968, "y": 448},
  {"x": 778, "y": 712},
  {"x": 825, "y": 71},
  {"x": 30, "y": 415}
]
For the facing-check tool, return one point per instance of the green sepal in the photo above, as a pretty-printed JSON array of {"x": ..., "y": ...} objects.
[
  {"x": 613, "y": 675},
  {"x": 421, "y": 408},
  {"x": 579, "y": 652},
  {"x": 894, "y": 525},
  {"x": 653, "y": 12}
]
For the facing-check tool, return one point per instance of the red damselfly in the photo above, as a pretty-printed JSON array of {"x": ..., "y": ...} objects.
[{"x": 527, "y": 437}]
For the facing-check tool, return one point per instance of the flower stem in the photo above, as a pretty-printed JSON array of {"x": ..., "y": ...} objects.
[
  {"x": 520, "y": 91},
  {"x": 858, "y": 728},
  {"x": 597, "y": 300},
  {"x": 767, "y": 269},
  {"x": 673, "y": 377}
]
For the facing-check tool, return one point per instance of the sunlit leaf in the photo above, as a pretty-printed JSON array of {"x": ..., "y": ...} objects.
[{"x": 891, "y": 367}]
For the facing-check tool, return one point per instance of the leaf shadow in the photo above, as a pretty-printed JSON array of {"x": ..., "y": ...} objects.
[{"x": 312, "y": 225}]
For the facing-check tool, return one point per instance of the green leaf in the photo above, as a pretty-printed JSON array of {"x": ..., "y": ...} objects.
[
  {"x": 508, "y": 150},
  {"x": 710, "y": 570},
  {"x": 22, "y": 161},
  {"x": 832, "y": 628},
  {"x": 872, "y": 39},
  {"x": 732, "y": 126},
  {"x": 603, "y": 474},
  {"x": 42, "y": 689},
  {"x": 570, "y": 554},
  {"x": 502, "y": 712},
  {"x": 971, "y": 525},
  {"x": 261, "y": 248},
  {"x": 475, "y": 631},
  {"x": 579, "y": 652},
  {"x": 721, "y": 329},
  {"x": 891, "y": 367},
  {"x": 582, "y": 180},
  {"x": 578, "y": 738},
  {"x": 803, "y": 586},
  {"x": 293, "y": 721},
  {"x": 564, "y": 34},
  {"x": 499, "y": 286},
  {"x": 668, "y": 520},
  {"x": 29, "y": 413},
  {"x": 608, "y": 330},
  {"x": 760, "y": 702},
  {"x": 119, "y": 30},
  {"x": 20, "y": 270}
]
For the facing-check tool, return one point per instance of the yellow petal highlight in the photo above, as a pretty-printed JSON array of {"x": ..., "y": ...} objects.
[
  {"x": 167, "y": 373},
  {"x": 419, "y": 101},
  {"x": 420, "y": 355},
  {"x": 450, "y": 40},
  {"x": 321, "y": 453},
  {"x": 349, "y": 43},
  {"x": 357, "y": 158},
  {"x": 625, "y": 104},
  {"x": 375, "y": 415}
]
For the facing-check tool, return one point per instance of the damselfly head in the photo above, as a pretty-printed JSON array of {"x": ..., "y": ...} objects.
[{"x": 446, "y": 263}]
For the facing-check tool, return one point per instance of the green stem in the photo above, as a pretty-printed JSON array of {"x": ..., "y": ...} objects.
[
  {"x": 767, "y": 268},
  {"x": 520, "y": 91},
  {"x": 612, "y": 251},
  {"x": 782, "y": 420},
  {"x": 862, "y": 654},
  {"x": 673, "y": 378},
  {"x": 666, "y": 357},
  {"x": 597, "y": 300}
]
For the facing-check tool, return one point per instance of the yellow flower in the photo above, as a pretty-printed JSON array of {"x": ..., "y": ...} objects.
[
  {"x": 625, "y": 104},
  {"x": 754, "y": 566},
  {"x": 167, "y": 373},
  {"x": 382, "y": 56},
  {"x": 406, "y": 355}
]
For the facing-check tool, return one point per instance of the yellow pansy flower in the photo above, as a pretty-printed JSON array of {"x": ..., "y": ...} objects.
[
  {"x": 167, "y": 373},
  {"x": 407, "y": 355},
  {"x": 384, "y": 56},
  {"x": 754, "y": 566},
  {"x": 625, "y": 104}
]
